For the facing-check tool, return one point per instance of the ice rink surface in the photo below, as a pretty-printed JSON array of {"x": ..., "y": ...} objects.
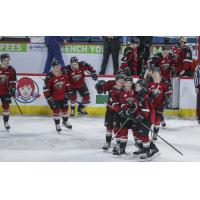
[{"x": 35, "y": 139}]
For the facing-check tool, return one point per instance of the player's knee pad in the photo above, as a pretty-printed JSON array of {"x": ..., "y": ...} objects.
[
  {"x": 157, "y": 120},
  {"x": 136, "y": 134},
  {"x": 64, "y": 110},
  {"x": 109, "y": 129},
  {"x": 123, "y": 133},
  {"x": 5, "y": 106},
  {"x": 73, "y": 98},
  {"x": 86, "y": 99},
  {"x": 146, "y": 144},
  {"x": 144, "y": 139},
  {"x": 56, "y": 112}
]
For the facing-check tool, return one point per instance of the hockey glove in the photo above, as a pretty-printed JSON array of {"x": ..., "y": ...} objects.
[
  {"x": 127, "y": 71},
  {"x": 94, "y": 75},
  {"x": 167, "y": 101},
  {"x": 12, "y": 91},
  {"x": 122, "y": 114},
  {"x": 51, "y": 102},
  {"x": 99, "y": 86},
  {"x": 139, "y": 119}
]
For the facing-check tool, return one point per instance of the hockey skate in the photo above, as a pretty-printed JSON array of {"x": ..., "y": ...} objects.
[
  {"x": 116, "y": 150},
  {"x": 67, "y": 125},
  {"x": 145, "y": 155},
  {"x": 163, "y": 124},
  {"x": 122, "y": 151},
  {"x": 139, "y": 150},
  {"x": 81, "y": 111},
  {"x": 154, "y": 150},
  {"x": 7, "y": 126},
  {"x": 122, "y": 148},
  {"x": 106, "y": 146}
]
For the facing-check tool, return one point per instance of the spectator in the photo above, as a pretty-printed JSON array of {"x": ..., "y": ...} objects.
[
  {"x": 197, "y": 90},
  {"x": 143, "y": 51},
  {"x": 111, "y": 46},
  {"x": 53, "y": 45}
]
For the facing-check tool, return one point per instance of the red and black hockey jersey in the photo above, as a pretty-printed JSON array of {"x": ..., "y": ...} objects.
[
  {"x": 56, "y": 86},
  {"x": 130, "y": 61},
  {"x": 158, "y": 92},
  {"x": 7, "y": 79},
  {"x": 164, "y": 63},
  {"x": 77, "y": 76},
  {"x": 182, "y": 58}
]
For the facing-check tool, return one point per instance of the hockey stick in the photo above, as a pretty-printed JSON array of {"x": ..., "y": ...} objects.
[
  {"x": 14, "y": 100},
  {"x": 122, "y": 126},
  {"x": 162, "y": 139}
]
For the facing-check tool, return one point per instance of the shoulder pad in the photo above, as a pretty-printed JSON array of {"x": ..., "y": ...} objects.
[
  {"x": 10, "y": 67},
  {"x": 83, "y": 63}
]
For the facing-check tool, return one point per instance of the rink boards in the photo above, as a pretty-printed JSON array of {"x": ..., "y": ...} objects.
[{"x": 29, "y": 96}]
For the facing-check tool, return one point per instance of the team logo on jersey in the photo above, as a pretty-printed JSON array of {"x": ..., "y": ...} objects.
[
  {"x": 77, "y": 77},
  {"x": 3, "y": 78},
  {"x": 60, "y": 84},
  {"x": 129, "y": 100},
  {"x": 27, "y": 90}
]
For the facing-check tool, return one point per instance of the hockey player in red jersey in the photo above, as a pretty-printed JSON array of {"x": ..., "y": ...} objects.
[
  {"x": 182, "y": 58},
  {"x": 105, "y": 86},
  {"x": 144, "y": 118},
  {"x": 56, "y": 90},
  {"x": 130, "y": 58},
  {"x": 158, "y": 92},
  {"x": 111, "y": 116},
  {"x": 127, "y": 101},
  {"x": 7, "y": 86},
  {"x": 164, "y": 61},
  {"x": 76, "y": 72}
]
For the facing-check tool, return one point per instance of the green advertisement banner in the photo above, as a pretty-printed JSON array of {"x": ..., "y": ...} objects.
[
  {"x": 88, "y": 49},
  {"x": 13, "y": 47},
  {"x": 67, "y": 48}
]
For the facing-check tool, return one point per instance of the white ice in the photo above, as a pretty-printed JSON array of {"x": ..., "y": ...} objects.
[{"x": 35, "y": 139}]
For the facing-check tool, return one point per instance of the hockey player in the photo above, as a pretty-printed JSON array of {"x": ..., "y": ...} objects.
[
  {"x": 182, "y": 58},
  {"x": 56, "y": 90},
  {"x": 143, "y": 118},
  {"x": 130, "y": 58},
  {"x": 7, "y": 86},
  {"x": 164, "y": 61},
  {"x": 127, "y": 101},
  {"x": 113, "y": 105},
  {"x": 105, "y": 86},
  {"x": 158, "y": 92},
  {"x": 76, "y": 72}
]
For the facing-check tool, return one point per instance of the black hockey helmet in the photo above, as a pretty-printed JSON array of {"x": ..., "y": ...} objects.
[
  {"x": 4, "y": 56},
  {"x": 120, "y": 76},
  {"x": 128, "y": 79},
  {"x": 73, "y": 59},
  {"x": 150, "y": 67},
  {"x": 54, "y": 63},
  {"x": 156, "y": 69},
  {"x": 121, "y": 71},
  {"x": 135, "y": 40},
  {"x": 142, "y": 83}
]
